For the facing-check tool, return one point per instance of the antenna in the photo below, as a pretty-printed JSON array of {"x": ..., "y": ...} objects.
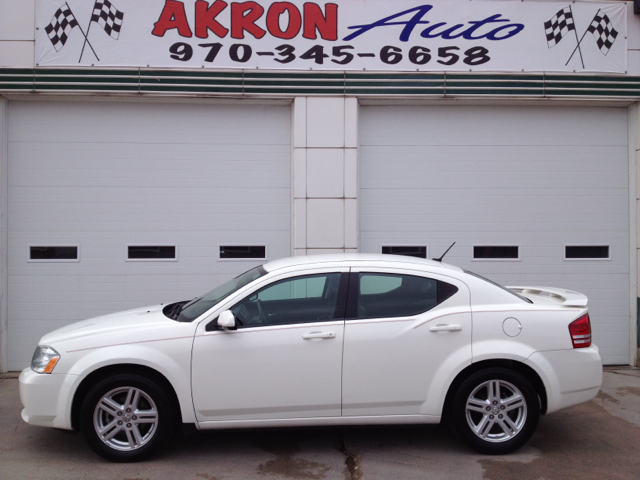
[{"x": 440, "y": 259}]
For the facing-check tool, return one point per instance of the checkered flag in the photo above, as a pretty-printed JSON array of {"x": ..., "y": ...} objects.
[
  {"x": 559, "y": 26},
  {"x": 108, "y": 17},
  {"x": 60, "y": 27},
  {"x": 603, "y": 32}
]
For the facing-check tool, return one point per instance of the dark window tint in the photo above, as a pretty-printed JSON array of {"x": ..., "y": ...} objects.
[
  {"x": 498, "y": 286},
  {"x": 239, "y": 251},
  {"x": 53, "y": 253},
  {"x": 381, "y": 295},
  {"x": 310, "y": 298},
  {"x": 586, "y": 251},
  {"x": 151, "y": 252},
  {"x": 495, "y": 252},
  {"x": 410, "y": 251}
]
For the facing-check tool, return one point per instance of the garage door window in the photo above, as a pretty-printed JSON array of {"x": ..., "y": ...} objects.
[
  {"x": 239, "y": 252},
  {"x": 382, "y": 295},
  {"x": 496, "y": 252},
  {"x": 54, "y": 253},
  {"x": 152, "y": 252},
  {"x": 586, "y": 252},
  {"x": 419, "y": 251}
]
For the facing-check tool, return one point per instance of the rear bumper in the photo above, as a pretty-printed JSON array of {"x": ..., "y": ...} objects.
[
  {"x": 46, "y": 399},
  {"x": 571, "y": 377}
]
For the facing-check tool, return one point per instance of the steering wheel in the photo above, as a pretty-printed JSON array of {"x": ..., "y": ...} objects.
[{"x": 263, "y": 317}]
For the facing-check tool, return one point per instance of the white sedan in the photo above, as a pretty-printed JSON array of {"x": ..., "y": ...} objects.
[{"x": 323, "y": 340}]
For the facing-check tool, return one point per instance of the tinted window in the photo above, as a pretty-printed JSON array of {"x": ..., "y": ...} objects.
[
  {"x": 143, "y": 252},
  {"x": 53, "y": 253},
  {"x": 381, "y": 295},
  {"x": 586, "y": 251},
  {"x": 239, "y": 251},
  {"x": 310, "y": 298},
  {"x": 499, "y": 286},
  {"x": 409, "y": 251},
  {"x": 496, "y": 252}
]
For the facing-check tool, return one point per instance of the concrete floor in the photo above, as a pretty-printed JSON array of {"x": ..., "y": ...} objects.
[{"x": 599, "y": 440}]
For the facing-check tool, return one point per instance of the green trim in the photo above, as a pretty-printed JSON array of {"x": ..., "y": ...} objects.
[{"x": 292, "y": 83}]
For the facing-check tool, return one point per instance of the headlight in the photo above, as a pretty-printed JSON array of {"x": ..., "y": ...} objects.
[{"x": 44, "y": 359}]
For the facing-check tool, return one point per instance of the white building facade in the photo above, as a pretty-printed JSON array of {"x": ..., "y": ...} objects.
[{"x": 151, "y": 149}]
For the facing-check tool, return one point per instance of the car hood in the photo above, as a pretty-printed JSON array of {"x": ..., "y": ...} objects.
[{"x": 131, "y": 326}]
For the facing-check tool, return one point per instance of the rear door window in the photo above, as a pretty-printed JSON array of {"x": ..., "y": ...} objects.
[{"x": 383, "y": 295}]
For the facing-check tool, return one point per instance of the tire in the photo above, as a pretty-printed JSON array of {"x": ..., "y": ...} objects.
[
  {"x": 512, "y": 418},
  {"x": 127, "y": 418}
]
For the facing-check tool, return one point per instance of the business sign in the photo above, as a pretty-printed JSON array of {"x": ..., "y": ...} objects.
[{"x": 398, "y": 35}]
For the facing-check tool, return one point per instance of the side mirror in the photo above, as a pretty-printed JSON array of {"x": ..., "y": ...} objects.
[{"x": 227, "y": 320}]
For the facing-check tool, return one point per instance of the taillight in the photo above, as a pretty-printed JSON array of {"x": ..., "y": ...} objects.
[{"x": 580, "y": 331}]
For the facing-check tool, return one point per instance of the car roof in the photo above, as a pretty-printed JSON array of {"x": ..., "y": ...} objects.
[{"x": 356, "y": 259}]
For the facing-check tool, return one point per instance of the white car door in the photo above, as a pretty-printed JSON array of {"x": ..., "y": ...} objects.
[
  {"x": 404, "y": 331},
  {"x": 284, "y": 360}
]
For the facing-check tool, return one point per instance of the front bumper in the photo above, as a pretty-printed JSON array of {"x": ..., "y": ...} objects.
[
  {"x": 46, "y": 398},
  {"x": 571, "y": 377}
]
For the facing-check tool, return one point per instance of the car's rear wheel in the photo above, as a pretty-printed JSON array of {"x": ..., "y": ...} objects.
[
  {"x": 495, "y": 411},
  {"x": 127, "y": 417}
]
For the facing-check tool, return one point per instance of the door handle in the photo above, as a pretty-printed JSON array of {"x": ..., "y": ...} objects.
[
  {"x": 445, "y": 328},
  {"x": 312, "y": 335}
]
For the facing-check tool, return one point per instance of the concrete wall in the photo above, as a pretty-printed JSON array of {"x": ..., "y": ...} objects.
[
  {"x": 634, "y": 145},
  {"x": 3, "y": 236},
  {"x": 17, "y": 33},
  {"x": 633, "y": 41},
  {"x": 325, "y": 175}
]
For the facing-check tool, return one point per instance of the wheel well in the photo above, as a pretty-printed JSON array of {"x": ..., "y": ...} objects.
[
  {"x": 110, "y": 370},
  {"x": 526, "y": 371}
]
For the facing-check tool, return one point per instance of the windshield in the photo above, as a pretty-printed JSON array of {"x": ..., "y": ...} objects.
[
  {"x": 498, "y": 285},
  {"x": 198, "y": 306}
]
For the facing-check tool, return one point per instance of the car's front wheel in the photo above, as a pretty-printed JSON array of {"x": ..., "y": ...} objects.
[
  {"x": 495, "y": 411},
  {"x": 127, "y": 417}
]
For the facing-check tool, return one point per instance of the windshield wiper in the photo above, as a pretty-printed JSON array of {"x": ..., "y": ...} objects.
[
  {"x": 181, "y": 306},
  {"x": 172, "y": 310},
  {"x": 189, "y": 303}
]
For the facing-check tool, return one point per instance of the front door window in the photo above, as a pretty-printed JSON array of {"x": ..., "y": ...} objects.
[{"x": 305, "y": 299}]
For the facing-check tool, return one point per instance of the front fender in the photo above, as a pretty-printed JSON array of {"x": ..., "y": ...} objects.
[{"x": 173, "y": 361}]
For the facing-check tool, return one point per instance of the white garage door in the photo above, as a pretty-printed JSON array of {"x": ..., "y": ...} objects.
[
  {"x": 541, "y": 179},
  {"x": 118, "y": 180}
]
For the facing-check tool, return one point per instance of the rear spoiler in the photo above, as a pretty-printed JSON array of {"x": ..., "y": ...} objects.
[{"x": 566, "y": 298}]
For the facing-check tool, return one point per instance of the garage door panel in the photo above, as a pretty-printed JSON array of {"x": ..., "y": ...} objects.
[
  {"x": 119, "y": 161},
  {"x": 116, "y": 158},
  {"x": 158, "y": 122},
  {"x": 147, "y": 179},
  {"x": 540, "y": 178},
  {"x": 533, "y": 155},
  {"x": 124, "y": 219},
  {"x": 484, "y": 229},
  {"x": 106, "y": 175},
  {"x": 499, "y": 194},
  {"x": 543, "y": 219},
  {"x": 424, "y": 178},
  {"x": 519, "y": 207},
  {"x": 116, "y": 197},
  {"x": 545, "y": 126}
]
